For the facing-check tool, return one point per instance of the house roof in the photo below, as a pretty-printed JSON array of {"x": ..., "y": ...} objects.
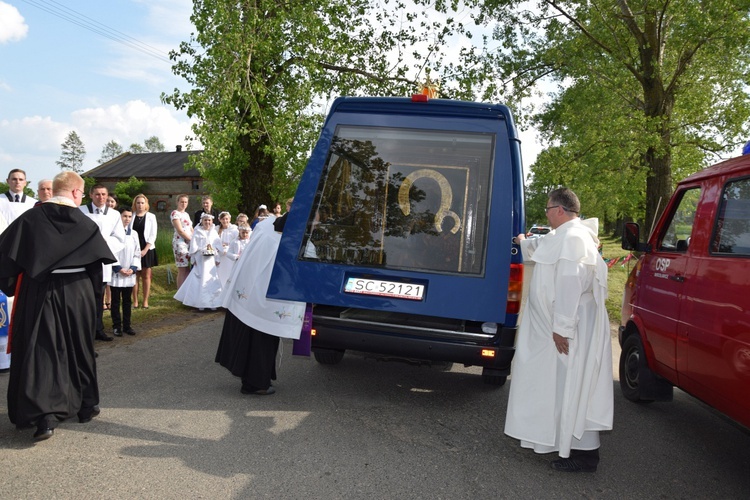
[{"x": 146, "y": 165}]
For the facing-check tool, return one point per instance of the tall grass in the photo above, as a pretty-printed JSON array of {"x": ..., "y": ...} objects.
[
  {"x": 164, "y": 245},
  {"x": 618, "y": 275}
]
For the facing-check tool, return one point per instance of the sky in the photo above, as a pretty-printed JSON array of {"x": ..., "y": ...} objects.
[{"x": 57, "y": 76}]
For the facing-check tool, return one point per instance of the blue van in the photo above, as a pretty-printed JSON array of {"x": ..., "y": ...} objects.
[{"x": 401, "y": 233}]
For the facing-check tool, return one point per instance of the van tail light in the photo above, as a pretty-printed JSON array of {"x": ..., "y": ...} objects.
[
  {"x": 515, "y": 289},
  {"x": 313, "y": 332}
]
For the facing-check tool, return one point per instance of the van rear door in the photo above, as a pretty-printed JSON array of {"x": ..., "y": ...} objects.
[{"x": 407, "y": 208}]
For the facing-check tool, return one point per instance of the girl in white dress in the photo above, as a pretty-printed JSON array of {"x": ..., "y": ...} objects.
[
  {"x": 202, "y": 288},
  {"x": 235, "y": 250},
  {"x": 228, "y": 233}
]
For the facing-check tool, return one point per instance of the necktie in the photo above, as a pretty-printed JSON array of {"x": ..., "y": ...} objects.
[
  {"x": 18, "y": 199},
  {"x": 98, "y": 211}
]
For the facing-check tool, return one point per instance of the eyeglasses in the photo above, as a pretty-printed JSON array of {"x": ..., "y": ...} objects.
[
  {"x": 547, "y": 209},
  {"x": 79, "y": 190}
]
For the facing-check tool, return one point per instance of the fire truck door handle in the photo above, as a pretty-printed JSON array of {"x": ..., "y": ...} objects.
[{"x": 678, "y": 278}]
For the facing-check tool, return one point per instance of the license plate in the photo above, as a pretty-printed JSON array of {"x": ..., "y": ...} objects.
[{"x": 383, "y": 288}]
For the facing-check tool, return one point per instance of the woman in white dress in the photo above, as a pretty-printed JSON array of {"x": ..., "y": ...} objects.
[
  {"x": 183, "y": 233},
  {"x": 202, "y": 288},
  {"x": 228, "y": 233}
]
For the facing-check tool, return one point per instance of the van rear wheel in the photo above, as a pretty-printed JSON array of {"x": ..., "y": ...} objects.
[
  {"x": 630, "y": 368},
  {"x": 493, "y": 377},
  {"x": 328, "y": 356}
]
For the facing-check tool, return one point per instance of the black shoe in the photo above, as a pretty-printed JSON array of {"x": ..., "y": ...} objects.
[
  {"x": 86, "y": 416},
  {"x": 129, "y": 331},
  {"x": 258, "y": 392},
  {"x": 117, "y": 332},
  {"x": 577, "y": 464},
  {"x": 103, "y": 337},
  {"x": 43, "y": 433}
]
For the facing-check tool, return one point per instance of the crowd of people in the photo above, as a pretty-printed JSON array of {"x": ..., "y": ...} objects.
[
  {"x": 65, "y": 262},
  {"x": 206, "y": 249}
]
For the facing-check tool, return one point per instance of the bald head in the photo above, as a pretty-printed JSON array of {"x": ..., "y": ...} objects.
[{"x": 69, "y": 185}]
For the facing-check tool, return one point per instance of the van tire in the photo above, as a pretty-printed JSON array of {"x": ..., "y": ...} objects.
[
  {"x": 328, "y": 356},
  {"x": 634, "y": 372},
  {"x": 637, "y": 381},
  {"x": 490, "y": 377},
  {"x": 631, "y": 360}
]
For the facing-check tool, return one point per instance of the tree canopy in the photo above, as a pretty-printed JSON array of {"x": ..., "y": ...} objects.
[
  {"x": 260, "y": 71},
  {"x": 639, "y": 94},
  {"x": 628, "y": 96}
]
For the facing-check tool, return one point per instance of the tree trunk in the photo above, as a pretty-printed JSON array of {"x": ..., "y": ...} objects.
[
  {"x": 658, "y": 185},
  {"x": 256, "y": 178}
]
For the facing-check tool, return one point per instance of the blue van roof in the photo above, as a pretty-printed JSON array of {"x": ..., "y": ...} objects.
[{"x": 442, "y": 107}]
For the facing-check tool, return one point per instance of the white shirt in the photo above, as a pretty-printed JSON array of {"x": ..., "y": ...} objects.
[
  {"x": 129, "y": 256},
  {"x": 10, "y": 210},
  {"x": 111, "y": 228}
]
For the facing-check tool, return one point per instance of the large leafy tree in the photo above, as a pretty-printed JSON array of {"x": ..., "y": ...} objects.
[
  {"x": 73, "y": 153},
  {"x": 639, "y": 93},
  {"x": 259, "y": 71}
]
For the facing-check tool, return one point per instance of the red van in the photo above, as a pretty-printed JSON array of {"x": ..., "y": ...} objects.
[{"x": 686, "y": 307}]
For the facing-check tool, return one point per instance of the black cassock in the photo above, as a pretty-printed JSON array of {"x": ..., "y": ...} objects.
[{"x": 53, "y": 367}]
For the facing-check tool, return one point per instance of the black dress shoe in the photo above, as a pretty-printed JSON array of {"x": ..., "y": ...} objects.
[
  {"x": 579, "y": 461},
  {"x": 129, "y": 331},
  {"x": 43, "y": 433},
  {"x": 258, "y": 392},
  {"x": 103, "y": 337},
  {"x": 117, "y": 332},
  {"x": 86, "y": 416}
]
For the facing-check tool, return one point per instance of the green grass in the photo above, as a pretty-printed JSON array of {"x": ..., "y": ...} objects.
[
  {"x": 161, "y": 302},
  {"x": 163, "y": 246},
  {"x": 618, "y": 275}
]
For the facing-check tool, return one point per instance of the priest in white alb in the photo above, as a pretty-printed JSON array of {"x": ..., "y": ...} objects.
[{"x": 561, "y": 393}]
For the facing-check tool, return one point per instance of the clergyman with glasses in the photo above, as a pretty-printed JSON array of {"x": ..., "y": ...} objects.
[{"x": 561, "y": 393}]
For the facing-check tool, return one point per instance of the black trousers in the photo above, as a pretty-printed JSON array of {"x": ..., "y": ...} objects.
[{"x": 124, "y": 295}]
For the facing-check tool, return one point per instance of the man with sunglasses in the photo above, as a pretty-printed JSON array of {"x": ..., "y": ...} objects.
[{"x": 561, "y": 392}]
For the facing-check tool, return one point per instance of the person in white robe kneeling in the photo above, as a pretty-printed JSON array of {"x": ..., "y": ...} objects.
[{"x": 561, "y": 393}]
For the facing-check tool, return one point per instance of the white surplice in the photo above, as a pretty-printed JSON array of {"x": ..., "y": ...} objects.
[
  {"x": 202, "y": 287},
  {"x": 556, "y": 401},
  {"x": 245, "y": 292}
]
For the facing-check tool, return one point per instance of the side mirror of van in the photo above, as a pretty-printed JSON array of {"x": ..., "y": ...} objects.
[{"x": 631, "y": 238}]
